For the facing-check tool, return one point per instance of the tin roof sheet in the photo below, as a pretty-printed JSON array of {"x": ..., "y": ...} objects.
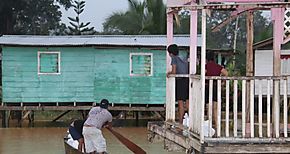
[{"x": 94, "y": 40}]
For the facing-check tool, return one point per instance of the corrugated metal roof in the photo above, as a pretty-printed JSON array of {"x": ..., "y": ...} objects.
[{"x": 97, "y": 40}]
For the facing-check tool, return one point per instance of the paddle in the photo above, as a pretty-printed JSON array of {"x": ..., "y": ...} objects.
[{"x": 129, "y": 144}]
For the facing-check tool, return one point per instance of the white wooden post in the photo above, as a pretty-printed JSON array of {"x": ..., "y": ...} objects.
[
  {"x": 170, "y": 82},
  {"x": 227, "y": 107},
  {"x": 276, "y": 108},
  {"x": 209, "y": 110},
  {"x": 192, "y": 66},
  {"x": 268, "y": 108},
  {"x": 203, "y": 55},
  {"x": 244, "y": 108},
  {"x": 219, "y": 101},
  {"x": 260, "y": 109},
  {"x": 252, "y": 118},
  {"x": 235, "y": 108},
  {"x": 285, "y": 108},
  {"x": 196, "y": 116},
  {"x": 170, "y": 100}
]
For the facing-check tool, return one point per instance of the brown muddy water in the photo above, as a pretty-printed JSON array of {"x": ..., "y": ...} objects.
[{"x": 48, "y": 139}]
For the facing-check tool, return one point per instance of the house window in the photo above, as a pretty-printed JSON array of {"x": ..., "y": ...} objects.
[
  {"x": 285, "y": 63},
  {"x": 48, "y": 62},
  {"x": 141, "y": 64}
]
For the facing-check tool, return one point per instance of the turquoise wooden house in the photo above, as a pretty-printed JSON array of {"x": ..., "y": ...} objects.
[{"x": 79, "y": 69}]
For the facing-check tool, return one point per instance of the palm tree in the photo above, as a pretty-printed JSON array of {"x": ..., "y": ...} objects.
[
  {"x": 157, "y": 10},
  {"x": 147, "y": 17}
]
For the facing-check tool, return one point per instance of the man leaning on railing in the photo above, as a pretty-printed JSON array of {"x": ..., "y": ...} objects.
[
  {"x": 179, "y": 66},
  {"x": 213, "y": 69}
]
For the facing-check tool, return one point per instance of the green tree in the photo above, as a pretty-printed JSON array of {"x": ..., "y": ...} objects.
[
  {"x": 262, "y": 30},
  {"x": 146, "y": 17},
  {"x": 77, "y": 27},
  {"x": 224, "y": 38},
  {"x": 30, "y": 16},
  {"x": 184, "y": 26}
]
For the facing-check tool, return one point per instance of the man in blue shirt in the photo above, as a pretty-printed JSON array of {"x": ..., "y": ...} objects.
[{"x": 179, "y": 66}]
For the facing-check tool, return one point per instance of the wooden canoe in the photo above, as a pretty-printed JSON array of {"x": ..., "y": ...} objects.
[{"x": 69, "y": 149}]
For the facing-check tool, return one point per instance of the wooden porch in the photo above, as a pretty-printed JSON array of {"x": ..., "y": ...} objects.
[
  {"x": 252, "y": 111},
  {"x": 243, "y": 126}
]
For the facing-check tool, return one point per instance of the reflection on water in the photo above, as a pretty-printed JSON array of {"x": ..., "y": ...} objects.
[{"x": 47, "y": 138}]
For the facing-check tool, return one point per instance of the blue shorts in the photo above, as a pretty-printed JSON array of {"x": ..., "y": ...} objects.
[{"x": 74, "y": 133}]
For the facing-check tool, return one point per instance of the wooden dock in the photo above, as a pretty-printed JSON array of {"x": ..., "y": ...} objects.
[{"x": 173, "y": 137}]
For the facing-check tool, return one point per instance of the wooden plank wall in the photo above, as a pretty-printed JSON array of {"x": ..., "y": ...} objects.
[{"x": 87, "y": 75}]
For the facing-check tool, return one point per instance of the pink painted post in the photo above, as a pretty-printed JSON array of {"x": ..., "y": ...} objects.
[
  {"x": 193, "y": 42},
  {"x": 277, "y": 17},
  {"x": 169, "y": 38},
  {"x": 243, "y": 1}
]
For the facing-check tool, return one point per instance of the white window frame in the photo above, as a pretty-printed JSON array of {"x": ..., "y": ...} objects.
[
  {"x": 141, "y": 54},
  {"x": 38, "y": 62},
  {"x": 284, "y": 65}
]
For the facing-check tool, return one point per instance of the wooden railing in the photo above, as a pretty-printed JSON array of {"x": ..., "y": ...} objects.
[{"x": 238, "y": 116}]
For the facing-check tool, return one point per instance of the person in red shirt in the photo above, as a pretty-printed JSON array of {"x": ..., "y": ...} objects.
[{"x": 213, "y": 69}]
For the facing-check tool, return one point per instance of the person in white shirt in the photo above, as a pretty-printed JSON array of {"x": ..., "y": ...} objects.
[{"x": 98, "y": 117}]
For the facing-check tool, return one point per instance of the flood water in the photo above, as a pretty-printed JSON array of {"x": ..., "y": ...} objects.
[{"x": 49, "y": 140}]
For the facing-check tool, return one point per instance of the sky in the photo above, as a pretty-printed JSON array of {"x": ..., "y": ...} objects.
[{"x": 96, "y": 12}]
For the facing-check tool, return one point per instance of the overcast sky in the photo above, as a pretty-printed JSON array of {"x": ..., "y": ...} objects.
[{"x": 96, "y": 11}]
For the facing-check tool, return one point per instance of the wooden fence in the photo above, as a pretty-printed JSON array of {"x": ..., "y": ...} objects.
[{"x": 243, "y": 110}]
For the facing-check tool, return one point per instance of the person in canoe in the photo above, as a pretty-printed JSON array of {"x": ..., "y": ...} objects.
[{"x": 76, "y": 131}]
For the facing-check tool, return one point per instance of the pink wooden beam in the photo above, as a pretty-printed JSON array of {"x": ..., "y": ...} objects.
[
  {"x": 169, "y": 38},
  {"x": 193, "y": 42},
  {"x": 234, "y": 6},
  {"x": 243, "y": 1},
  {"x": 277, "y": 17}
]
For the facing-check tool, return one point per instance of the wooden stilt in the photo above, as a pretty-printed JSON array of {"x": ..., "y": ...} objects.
[
  {"x": 61, "y": 115},
  {"x": 84, "y": 114},
  {"x": 31, "y": 119},
  {"x": 137, "y": 118},
  {"x": 159, "y": 115},
  {"x": 5, "y": 118},
  {"x": 19, "y": 118},
  {"x": 26, "y": 114}
]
